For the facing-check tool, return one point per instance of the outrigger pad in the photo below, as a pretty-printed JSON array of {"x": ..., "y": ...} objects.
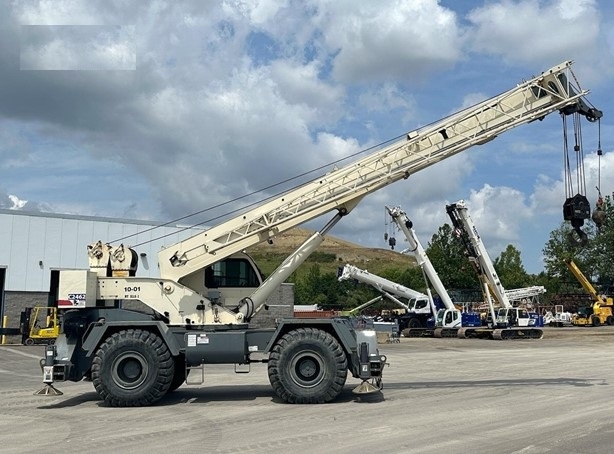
[
  {"x": 49, "y": 390},
  {"x": 366, "y": 387}
]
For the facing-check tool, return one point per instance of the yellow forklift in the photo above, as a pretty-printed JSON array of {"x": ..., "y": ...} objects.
[{"x": 39, "y": 325}]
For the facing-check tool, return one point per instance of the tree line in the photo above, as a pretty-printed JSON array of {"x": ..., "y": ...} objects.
[{"x": 447, "y": 254}]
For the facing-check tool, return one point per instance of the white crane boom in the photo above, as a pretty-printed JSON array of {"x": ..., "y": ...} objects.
[
  {"x": 466, "y": 230},
  {"x": 519, "y": 294},
  {"x": 343, "y": 188},
  {"x": 415, "y": 247},
  {"x": 383, "y": 285},
  {"x": 478, "y": 255}
]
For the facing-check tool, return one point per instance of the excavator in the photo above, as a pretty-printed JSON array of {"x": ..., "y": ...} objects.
[{"x": 209, "y": 288}]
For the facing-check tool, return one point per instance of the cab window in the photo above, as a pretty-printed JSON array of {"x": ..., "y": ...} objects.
[
  {"x": 421, "y": 304},
  {"x": 231, "y": 273}
]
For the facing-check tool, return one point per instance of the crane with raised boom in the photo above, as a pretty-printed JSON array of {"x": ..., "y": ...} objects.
[
  {"x": 511, "y": 321},
  {"x": 135, "y": 358},
  {"x": 418, "y": 307},
  {"x": 449, "y": 319}
]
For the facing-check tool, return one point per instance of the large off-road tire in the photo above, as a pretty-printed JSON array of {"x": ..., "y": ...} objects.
[
  {"x": 595, "y": 320},
  {"x": 307, "y": 366},
  {"x": 180, "y": 373},
  {"x": 132, "y": 368}
]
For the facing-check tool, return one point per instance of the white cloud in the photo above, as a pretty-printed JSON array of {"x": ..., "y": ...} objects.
[
  {"x": 57, "y": 12},
  {"x": 386, "y": 97},
  {"x": 17, "y": 204},
  {"x": 82, "y": 47},
  {"x": 389, "y": 40},
  {"x": 500, "y": 211},
  {"x": 299, "y": 84},
  {"x": 530, "y": 31},
  {"x": 549, "y": 194}
]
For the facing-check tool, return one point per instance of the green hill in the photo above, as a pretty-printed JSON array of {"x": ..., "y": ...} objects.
[{"x": 333, "y": 253}]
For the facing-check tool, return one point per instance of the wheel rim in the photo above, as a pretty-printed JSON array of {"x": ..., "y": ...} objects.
[
  {"x": 129, "y": 370},
  {"x": 307, "y": 369}
]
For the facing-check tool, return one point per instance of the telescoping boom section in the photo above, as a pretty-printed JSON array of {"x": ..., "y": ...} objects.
[{"x": 200, "y": 314}]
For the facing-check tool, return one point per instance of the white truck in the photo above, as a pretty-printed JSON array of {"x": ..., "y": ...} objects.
[
  {"x": 510, "y": 321},
  {"x": 135, "y": 358}
]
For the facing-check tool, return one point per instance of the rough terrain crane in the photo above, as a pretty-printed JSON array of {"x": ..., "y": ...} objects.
[
  {"x": 602, "y": 310},
  {"x": 507, "y": 317},
  {"x": 135, "y": 358},
  {"x": 418, "y": 306}
]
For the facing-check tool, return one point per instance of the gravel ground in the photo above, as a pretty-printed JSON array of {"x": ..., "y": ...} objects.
[{"x": 440, "y": 396}]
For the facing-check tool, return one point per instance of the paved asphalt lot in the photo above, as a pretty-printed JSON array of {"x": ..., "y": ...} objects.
[{"x": 553, "y": 395}]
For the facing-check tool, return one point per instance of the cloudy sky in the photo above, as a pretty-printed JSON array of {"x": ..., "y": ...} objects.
[{"x": 156, "y": 110}]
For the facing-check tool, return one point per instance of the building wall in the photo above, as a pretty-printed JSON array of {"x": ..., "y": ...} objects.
[
  {"x": 280, "y": 305},
  {"x": 33, "y": 244},
  {"x": 15, "y": 303}
]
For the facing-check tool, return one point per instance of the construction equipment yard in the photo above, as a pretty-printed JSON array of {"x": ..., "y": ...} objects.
[{"x": 439, "y": 396}]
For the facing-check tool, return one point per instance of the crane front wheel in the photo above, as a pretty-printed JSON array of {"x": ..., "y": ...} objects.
[
  {"x": 307, "y": 366},
  {"x": 132, "y": 368}
]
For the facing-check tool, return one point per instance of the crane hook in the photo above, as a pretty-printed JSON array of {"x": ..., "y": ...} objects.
[{"x": 582, "y": 238}]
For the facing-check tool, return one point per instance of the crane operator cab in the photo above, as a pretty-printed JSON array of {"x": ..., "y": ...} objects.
[{"x": 228, "y": 281}]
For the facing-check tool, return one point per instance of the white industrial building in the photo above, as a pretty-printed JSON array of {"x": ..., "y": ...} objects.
[{"x": 36, "y": 246}]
